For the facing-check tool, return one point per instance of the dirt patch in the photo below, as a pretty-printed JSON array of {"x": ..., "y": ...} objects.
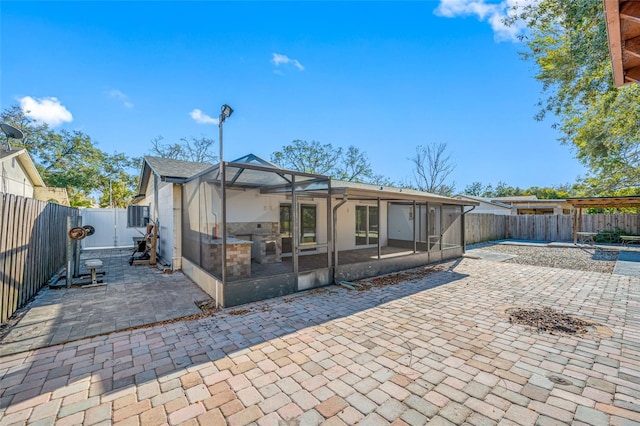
[
  {"x": 393, "y": 279},
  {"x": 547, "y": 320}
]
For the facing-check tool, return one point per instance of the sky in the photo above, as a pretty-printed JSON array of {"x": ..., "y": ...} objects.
[{"x": 385, "y": 77}]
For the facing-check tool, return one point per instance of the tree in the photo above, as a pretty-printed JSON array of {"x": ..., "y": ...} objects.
[
  {"x": 567, "y": 40},
  {"x": 196, "y": 149},
  {"x": 478, "y": 189},
  {"x": 308, "y": 157},
  {"x": 432, "y": 167},
  {"x": 67, "y": 159},
  {"x": 313, "y": 157},
  {"x": 116, "y": 184},
  {"x": 504, "y": 190}
]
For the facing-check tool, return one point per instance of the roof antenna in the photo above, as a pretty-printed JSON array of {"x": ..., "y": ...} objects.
[{"x": 10, "y": 132}]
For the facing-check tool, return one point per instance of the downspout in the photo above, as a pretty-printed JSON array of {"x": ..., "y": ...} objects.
[
  {"x": 464, "y": 228},
  {"x": 335, "y": 235}
]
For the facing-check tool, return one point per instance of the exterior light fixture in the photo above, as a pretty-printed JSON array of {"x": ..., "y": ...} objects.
[{"x": 225, "y": 112}]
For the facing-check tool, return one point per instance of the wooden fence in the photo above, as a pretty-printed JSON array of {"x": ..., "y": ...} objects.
[
  {"x": 487, "y": 227},
  {"x": 33, "y": 237}
]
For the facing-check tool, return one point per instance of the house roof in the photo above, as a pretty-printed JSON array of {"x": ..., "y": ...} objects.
[
  {"x": 249, "y": 172},
  {"x": 313, "y": 182},
  {"x": 168, "y": 167},
  {"x": 169, "y": 170},
  {"x": 623, "y": 31},
  {"x": 514, "y": 198},
  {"x": 525, "y": 200},
  {"x": 26, "y": 162},
  {"x": 355, "y": 190},
  {"x": 485, "y": 200}
]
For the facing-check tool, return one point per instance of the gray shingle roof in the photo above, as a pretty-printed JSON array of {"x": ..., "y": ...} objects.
[{"x": 167, "y": 167}]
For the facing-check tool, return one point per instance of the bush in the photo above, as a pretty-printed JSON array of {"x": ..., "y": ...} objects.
[{"x": 608, "y": 236}]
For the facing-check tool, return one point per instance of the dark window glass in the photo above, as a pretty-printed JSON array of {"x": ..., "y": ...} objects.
[{"x": 366, "y": 225}]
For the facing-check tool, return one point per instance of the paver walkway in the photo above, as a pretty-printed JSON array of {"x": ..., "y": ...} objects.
[
  {"x": 131, "y": 296},
  {"x": 628, "y": 263},
  {"x": 436, "y": 350}
]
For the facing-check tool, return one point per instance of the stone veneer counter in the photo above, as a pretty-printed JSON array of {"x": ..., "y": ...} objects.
[{"x": 238, "y": 257}]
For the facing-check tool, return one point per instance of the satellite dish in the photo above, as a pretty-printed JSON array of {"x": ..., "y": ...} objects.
[{"x": 11, "y": 132}]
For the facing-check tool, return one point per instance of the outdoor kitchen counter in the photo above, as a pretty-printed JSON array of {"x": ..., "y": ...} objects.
[
  {"x": 238, "y": 257},
  {"x": 230, "y": 240}
]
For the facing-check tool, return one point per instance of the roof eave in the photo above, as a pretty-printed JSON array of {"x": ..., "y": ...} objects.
[{"x": 614, "y": 35}]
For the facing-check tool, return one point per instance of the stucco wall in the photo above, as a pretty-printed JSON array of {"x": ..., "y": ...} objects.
[
  {"x": 14, "y": 180},
  {"x": 165, "y": 219},
  {"x": 251, "y": 206},
  {"x": 347, "y": 224},
  {"x": 484, "y": 208}
]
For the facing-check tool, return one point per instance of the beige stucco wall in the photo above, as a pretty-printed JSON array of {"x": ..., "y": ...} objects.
[{"x": 58, "y": 195}]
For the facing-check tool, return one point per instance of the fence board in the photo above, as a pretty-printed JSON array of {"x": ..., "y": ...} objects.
[
  {"x": 4, "y": 244},
  {"x": 481, "y": 227},
  {"x": 32, "y": 248}
]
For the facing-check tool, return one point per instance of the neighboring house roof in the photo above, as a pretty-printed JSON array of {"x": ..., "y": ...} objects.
[
  {"x": 493, "y": 203},
  {"x": 623, "y": 27},
  {"x": 26, "y": 162},
  {"x": 169, "y": 170},
  {"x": 515, "y": 198}
]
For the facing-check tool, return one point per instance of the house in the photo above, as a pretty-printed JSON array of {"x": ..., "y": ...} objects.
[
  {"x": 488, "y": 206},
  {"x": 530, "y": 204},
  {"x": 159, "y": 187},
  {"x": 263, "y": 231},
  {"x": 520, "y": 204},
  {"x": 19, "y": 176}
]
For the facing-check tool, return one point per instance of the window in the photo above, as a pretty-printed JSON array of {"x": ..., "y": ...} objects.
[
  {"x": 366, "y": 225},
  {"x": 308, "y": 221},
  {"x": 307, "y": 225}
]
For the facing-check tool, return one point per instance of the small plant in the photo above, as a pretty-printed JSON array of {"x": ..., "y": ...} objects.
[{"x": 609, "y": 236}]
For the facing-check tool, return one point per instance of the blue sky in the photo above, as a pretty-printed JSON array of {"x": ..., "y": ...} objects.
[{"x": 383, "y": 76}]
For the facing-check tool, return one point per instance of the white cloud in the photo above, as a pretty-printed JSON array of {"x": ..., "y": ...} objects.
[
  {"x": 493, "y": 12},
  {"x": 117, "y": 94},
  {"x": 45, "y": 110},
  {"x": 279, "y": 59},
  {"x": 202, "y": 118}
]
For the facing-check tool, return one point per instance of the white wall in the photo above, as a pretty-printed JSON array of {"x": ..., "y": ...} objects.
[
  {"x": 401, "y": 224},
  {"x": 169, "y": 199},
  {"x": 166, "y": 221},
  {"x": 251, "y": 206},
  {"x": 347, "y": 224},
  {"x": 110, "y": 228},
  {"x": 487, "y": 208},
  {"x": 13, "y": 178}
]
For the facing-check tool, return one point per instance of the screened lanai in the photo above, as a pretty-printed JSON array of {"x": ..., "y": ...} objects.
[{"x": 243, "y": 240}]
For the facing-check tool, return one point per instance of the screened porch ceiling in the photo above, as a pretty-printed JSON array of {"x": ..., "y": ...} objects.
[{"x": 253, "y": 172}]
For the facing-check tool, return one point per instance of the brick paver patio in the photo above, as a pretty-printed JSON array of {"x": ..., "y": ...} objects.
[
  {"x": 437, "y": 350},
  {"x": 130, "y": 296}
]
